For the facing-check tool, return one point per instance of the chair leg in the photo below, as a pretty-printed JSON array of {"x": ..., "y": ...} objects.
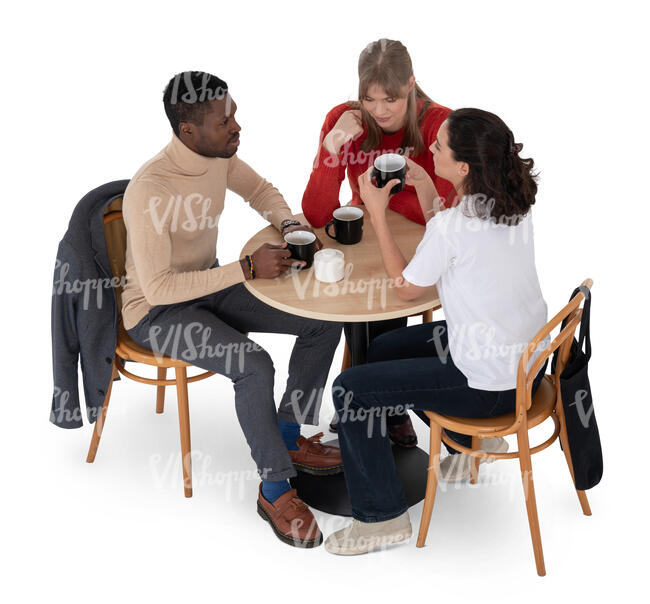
[
  {"x": 529, "y": 494},
  {"x": 476, "y": 461},
  {"x": 427, "y": 315},
  {"x": 346, "y": 358},
  {"x": 564, "y": 439},
  {"x": 160, "y": 390},
  {"x": 99, "y": 422},
  {"x": 432, "y": 482},
  {"x": 184, "y": 422}
]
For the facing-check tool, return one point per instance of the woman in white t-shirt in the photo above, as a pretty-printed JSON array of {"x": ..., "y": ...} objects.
[{"x": 480, "y": 254}]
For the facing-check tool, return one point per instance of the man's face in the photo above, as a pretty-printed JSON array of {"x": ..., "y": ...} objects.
[{"x": 218, "y": 135}]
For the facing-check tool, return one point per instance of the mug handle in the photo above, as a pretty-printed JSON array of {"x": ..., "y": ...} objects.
[
  {"x": 373, "y": 177},
  {"x": 327, "y": 229}
]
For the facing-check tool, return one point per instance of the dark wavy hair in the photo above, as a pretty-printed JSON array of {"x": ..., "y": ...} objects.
[{"x": 501, "y": 184}]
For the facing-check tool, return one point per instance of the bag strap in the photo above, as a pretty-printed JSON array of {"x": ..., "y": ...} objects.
[{"x": 584, "y": 336}]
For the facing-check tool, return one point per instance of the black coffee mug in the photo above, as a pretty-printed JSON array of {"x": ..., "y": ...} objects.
[
  {"x": 348, "y": 225},
  {"x": 387, "y": 167},
  {"x": 302, "y": 245}
]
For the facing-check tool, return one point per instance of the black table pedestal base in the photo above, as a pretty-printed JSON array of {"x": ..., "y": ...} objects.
[{"x": 330, "y": 494}]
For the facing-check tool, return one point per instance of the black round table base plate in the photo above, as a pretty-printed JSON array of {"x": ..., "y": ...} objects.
[{"x": 330, "y": 494}]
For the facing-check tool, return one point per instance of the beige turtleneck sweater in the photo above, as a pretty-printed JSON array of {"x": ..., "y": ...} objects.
[{"x": 171, "y": 211}]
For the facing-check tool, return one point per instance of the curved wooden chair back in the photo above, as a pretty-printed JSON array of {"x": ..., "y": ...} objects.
[
  {"x": 571, "y": 314},
  {"x": 115, "y": 233}
]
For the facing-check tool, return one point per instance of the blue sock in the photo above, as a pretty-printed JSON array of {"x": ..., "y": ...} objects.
[
  {"x": 272, "y": 489},
  {"x": 290, "y": 433}
]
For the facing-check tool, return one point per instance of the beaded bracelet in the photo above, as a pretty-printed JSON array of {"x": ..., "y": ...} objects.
[{"x": 250, "y": 266}]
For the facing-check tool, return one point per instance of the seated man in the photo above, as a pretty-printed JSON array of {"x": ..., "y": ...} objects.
[{"x": 179, "y": 302}]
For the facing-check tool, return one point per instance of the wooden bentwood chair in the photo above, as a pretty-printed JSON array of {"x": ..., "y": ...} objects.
[
  {"x": 530, "y": 412},
  {"x": 128, "y": 350}
]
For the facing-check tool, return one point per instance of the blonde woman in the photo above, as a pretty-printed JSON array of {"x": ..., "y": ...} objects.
[{"x": 393, "y": 115}]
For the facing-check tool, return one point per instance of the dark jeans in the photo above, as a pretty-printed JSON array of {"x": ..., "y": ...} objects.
[
  {"x": 410, "y": 366},
  {"x": 358, "y": 339},
  {"x": 208, "y": 332}
]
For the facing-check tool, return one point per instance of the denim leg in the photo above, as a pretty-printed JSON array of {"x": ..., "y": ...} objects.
[
  {"x": 416, "y": 341},
  {"x": 506, "y": 403},
  {"x": 363, "y": 395},
  {"x": 359, "y": 336}
]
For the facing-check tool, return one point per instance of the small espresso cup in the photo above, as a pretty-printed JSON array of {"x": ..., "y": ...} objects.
[
  {"x": 387, "y": 167},
  {"x": 302, "y": 245},
  {"x": 348, "y": 225}
]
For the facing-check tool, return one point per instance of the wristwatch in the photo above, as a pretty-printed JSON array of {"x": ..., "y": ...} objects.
[{"x": 287, "y": 223}]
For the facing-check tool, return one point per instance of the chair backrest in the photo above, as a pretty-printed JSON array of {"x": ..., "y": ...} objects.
[
  {"x": 115, "y": 233},
  {"x": 571, "y": 314}
]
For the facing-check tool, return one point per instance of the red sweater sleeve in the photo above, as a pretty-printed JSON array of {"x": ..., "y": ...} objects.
[{"x": 321, "y": 197}]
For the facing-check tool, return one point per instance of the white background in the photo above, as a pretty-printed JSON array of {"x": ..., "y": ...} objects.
[{"x": 81, "y": 105}]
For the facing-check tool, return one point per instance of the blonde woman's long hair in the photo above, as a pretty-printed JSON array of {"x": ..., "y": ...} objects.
[{"x": 387, "y": 64}]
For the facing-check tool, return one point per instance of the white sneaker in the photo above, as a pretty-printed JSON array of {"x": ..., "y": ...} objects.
[
  {"x": 363, "y": 537},
  {"x": 455, "y": 468}
]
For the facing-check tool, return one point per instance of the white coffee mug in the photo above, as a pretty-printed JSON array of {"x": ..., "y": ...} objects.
[{"x": 329, "y": 265}]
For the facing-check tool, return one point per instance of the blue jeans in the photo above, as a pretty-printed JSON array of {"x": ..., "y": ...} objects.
[{"x": 407, "y": 367}]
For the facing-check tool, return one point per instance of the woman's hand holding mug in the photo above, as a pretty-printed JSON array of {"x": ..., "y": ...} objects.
[
  {"x": 416, "y": 175},
  {"x": 419, "y": 178},
  {"x": 375, "y": 199}
]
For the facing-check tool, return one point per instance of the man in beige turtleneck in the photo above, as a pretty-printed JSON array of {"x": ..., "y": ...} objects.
[{"x": 180, "y": 302}]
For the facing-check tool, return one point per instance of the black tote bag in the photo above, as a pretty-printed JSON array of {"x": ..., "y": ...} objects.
[{"x": 582, "y": 429}]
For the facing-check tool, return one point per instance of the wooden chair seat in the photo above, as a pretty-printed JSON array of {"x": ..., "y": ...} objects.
[
  {"x": 127, "y": 348},
  {"x": 540, "y": 410}
]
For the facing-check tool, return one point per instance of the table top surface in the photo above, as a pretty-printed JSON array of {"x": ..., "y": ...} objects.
[{"x": 364, "y": 294}]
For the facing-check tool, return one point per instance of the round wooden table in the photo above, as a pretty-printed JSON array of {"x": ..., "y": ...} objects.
[{"x": 364, "y": 294}]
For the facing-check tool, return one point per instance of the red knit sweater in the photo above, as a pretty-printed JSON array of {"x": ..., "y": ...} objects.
[{"x": 321, "y": 196}]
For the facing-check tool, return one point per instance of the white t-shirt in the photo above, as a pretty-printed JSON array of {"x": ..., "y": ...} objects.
[{"x": 488, "y": 286}]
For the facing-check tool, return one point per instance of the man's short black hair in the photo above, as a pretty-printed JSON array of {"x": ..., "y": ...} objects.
[{"x": 187, "y": 95}]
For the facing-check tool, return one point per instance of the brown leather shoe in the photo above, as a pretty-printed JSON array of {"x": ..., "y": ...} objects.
[
  {"x": 403, "y": 435},
  {"x": 313, "y": 457},
  {"x": 291, "y": 520}
]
